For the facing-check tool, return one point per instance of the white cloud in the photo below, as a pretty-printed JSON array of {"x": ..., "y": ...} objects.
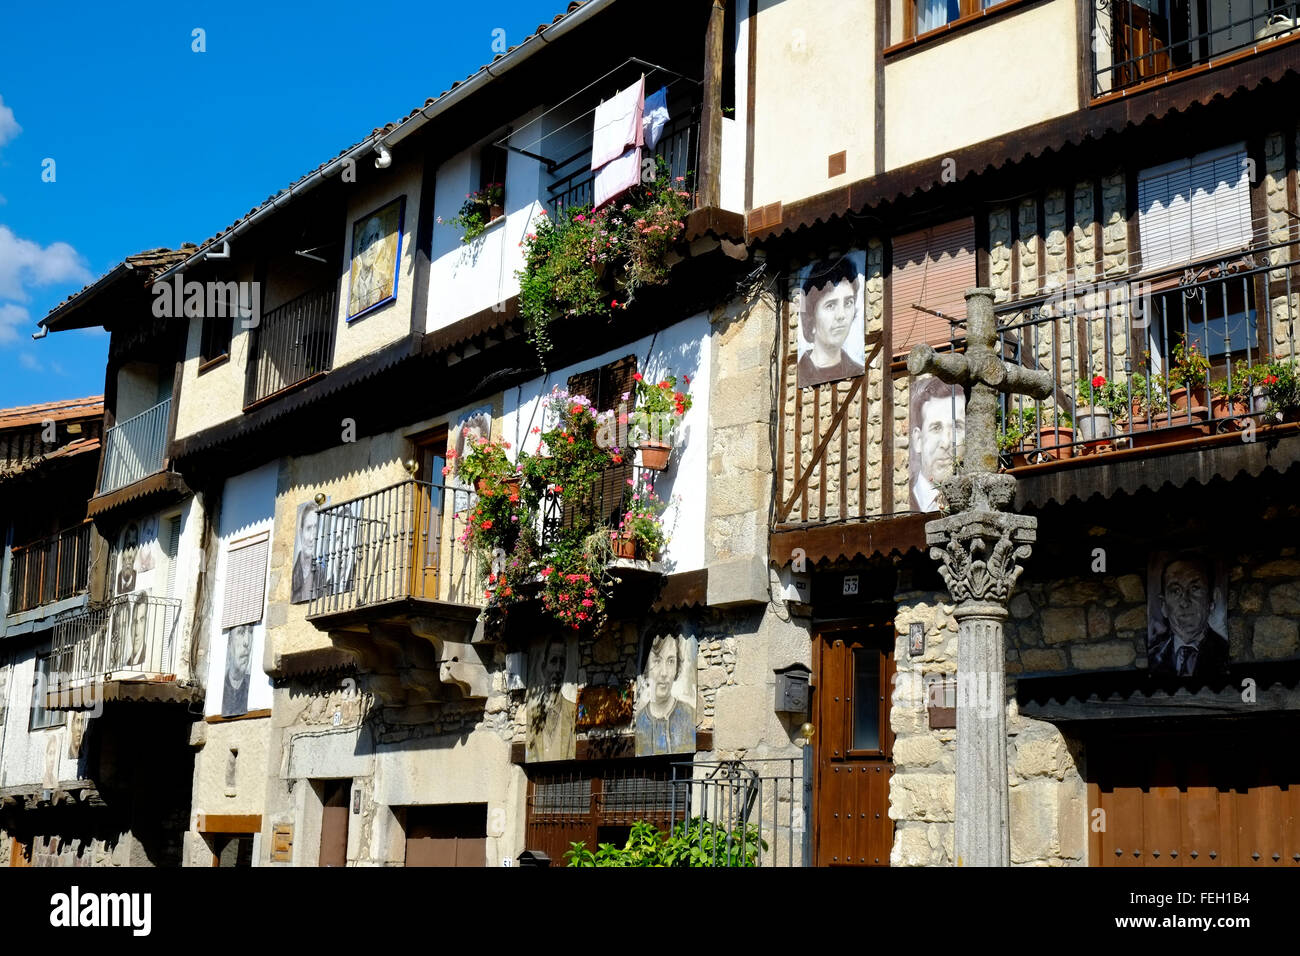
[
  {"x": 9, "y": 127},
  {"x": 13, "y": 319},
  {"x": 29, "y": 361},
  {"x": 24, "y": 262}
]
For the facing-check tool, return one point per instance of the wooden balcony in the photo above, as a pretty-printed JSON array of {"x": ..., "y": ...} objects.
[{"x": 51, "y": 569}]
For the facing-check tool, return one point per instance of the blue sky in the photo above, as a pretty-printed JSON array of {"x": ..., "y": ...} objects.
[{"x": 155, "y": 144}]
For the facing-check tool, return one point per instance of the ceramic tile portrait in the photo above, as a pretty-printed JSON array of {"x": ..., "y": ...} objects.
[
  {"x": 666, "y": 695},
  {"x": 830, "y": 302},
  {"x": 376, "y": 249}
]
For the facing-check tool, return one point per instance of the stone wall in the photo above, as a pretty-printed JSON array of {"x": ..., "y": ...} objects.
[{"x": 1284, "y": 298}]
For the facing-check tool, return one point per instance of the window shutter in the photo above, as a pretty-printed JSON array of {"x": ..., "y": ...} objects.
[
  {"x": 1193, "y": 208},
  {"x": 245, "y": 581},
  {"x": 932, "y": 268},
  {"x": 171, "y": 545}
]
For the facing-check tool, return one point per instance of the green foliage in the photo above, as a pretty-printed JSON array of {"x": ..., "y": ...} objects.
[
  {"x": 659, "y": 406},
  {"x": 643, "y": 520},
  {"x": 1024, "y": 424},
  {"x": 1281, "y": 385},
  {"x": 476, "y": 212},
  {"x": 693, "y": 843},
  {"x": 582, "y": 262},
  {"x": 1190, "y": 367}
]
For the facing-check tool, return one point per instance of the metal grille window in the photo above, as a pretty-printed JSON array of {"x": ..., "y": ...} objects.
[
  {"x": 1194, "y": 208},
  {"x": 41, "y": 682},
  {"x": 245, "y": 590},
  {"x": 932, "y": 270}
]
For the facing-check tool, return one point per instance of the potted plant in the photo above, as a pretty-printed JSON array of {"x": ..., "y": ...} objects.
[
  {"x": 1229, "y": 397},
  {"x": 659, "y": 407},
  {"x": 1282, "y": 390},
  {"x": 1091, "y": 414},
  {"x": 640, "y": 531},
  {"x": 1029, "y": 429},
  {"x": 479, "y": 210},
  {"x": 484, "y": 464},
  {"x": 1189, "y": 371}
]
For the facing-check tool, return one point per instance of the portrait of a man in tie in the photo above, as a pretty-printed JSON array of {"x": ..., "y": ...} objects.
[{"x": 1187, "y": 619}]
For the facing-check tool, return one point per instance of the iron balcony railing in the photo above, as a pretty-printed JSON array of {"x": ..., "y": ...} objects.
[
  {"x": 1126, "y": 335},
  {"x": 132, "y": 637},
  {"x": 749, "y": 812},
  {"x": 291, "y": 343},
  {"x": 565, "y": 515},
  {"x": 49, "y": 570},
  {"x": 399, "y": 542},
  {"x": 136, "y": 448},
  {"x": 1139, "y": 40},
  {"x": 679, "y": 148}
]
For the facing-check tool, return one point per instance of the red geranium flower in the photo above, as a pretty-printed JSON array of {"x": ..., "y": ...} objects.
[
  {"x": 637, "y": 376},
  {"x": 1098, "y": 381}
]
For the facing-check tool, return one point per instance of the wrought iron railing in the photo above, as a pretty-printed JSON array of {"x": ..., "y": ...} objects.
[
  {"x": 135, "y": 448},
  {"x": 49, "y": 570},
  {"x": 1139, "y": 40},
  {"x": 291, "y": 343},
  {"x": 1124, "y": 336},
  {"x": 738, "y": 812},
  {"x": 399, "y": 542},
  {"x": 133, "y": 636},
  {"x": 679, "y": 148},
  {"x": 564, "y": 514}
]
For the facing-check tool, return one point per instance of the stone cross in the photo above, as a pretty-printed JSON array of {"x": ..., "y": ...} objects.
[{"x": 979, "y": 545}]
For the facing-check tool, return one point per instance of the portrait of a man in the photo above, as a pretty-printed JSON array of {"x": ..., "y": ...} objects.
[
  {"x": 376, "y": 250},
  {"x": 139, "y": 629},
  {"x": 832, "y": 341},
  {"x": 307, "y": 574},
  {"x": 1186, "y": 615},
  {"x": 239, "y": 661},
  {"x": 938, "y": 439},
  {"x": 128, "y": 546},
  {"x": 144, "y": 559},
  {"x": 552, "y": 701},
  {"x": 665, "y": 722}
]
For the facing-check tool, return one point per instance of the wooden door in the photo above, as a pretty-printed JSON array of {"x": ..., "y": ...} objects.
[
  {"x": 1141, "y": 36},
  {"x": 426, "y": 515},
  {"x": 19, "y": 853},
  {"x": 334, "y": 823},
  {"x": 854, "y": 746},
  {"x": 1194, "y": 799},
  {"x": 453, "y": 835}
]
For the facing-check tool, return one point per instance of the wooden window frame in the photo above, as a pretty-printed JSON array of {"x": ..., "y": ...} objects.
[
  {"x": 971, "y": 15},
  {"x": 41, "y": 664},
  {"x": 207, "y": 332},
  {"x": 490, "y": 158}
]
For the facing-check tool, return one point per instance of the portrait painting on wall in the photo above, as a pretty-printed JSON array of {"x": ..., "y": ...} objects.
[
  {"x": 1187, "y": 614},
  {"x": 376, "y": 252},
  {"x": 144, "y": 560},
  {"x": 552, "y": 700},
  {"x": 937, "y": 429},
  {"x": 308, "y": 574},
  {"x": 128, "y": 548},
  {"x": 239, "y": 665},
  {"x": 832, "y": 320},
  {"x": 666, "y": 689}
]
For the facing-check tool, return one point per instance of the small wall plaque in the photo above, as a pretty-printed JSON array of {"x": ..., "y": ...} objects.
[
  {"x": 282, "y": 843},
  {"x": 915, "y": 639},
  {"x": 941, "y": 702}
]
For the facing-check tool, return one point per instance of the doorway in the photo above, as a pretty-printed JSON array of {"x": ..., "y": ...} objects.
[
  {"x": 853, "y": 745},
  {"x": 426, "y": 514}
]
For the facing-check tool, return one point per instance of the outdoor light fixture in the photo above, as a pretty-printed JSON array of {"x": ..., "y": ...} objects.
[
  {"x": 412, "y": 466},
  {"x": 320, "y": 498},
  {"x": 385, "y": 158}
]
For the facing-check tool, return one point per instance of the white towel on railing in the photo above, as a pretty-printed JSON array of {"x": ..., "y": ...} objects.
[
  {"x": 618, "y": 125},
  {"x": 617, "y": 177}
]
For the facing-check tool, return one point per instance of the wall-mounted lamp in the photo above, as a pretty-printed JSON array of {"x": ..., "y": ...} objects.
[
  {"x": 319, "y": 499},
  {"x": 385, "y": 158}
]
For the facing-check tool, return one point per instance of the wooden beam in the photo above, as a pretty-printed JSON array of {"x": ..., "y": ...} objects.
[
  {"x": 229, "y": 823},
  {"x": 708, "y": 184}
]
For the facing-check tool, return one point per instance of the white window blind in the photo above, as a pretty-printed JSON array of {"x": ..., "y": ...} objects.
[
  {"x": 245, "y": 581},
  {"x": 932, "y": 268},
  {"x": 171, "y": 548},
  {"x": 1194, "y": 208}
]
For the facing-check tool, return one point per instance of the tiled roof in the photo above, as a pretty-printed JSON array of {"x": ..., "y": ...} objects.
[
  {"x": 147, "y": 264},
  {"x": 390, "y": 127},
  {"x": 24, "y": 415}
]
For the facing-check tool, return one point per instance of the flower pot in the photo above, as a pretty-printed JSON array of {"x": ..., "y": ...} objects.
[
  {"x": 512, "y": 485},
  {"x": 1093, "y": 427},
  {"x": 1164, "y": 429},
  {"x": 1056, "y": 444},
  {"x": 495, "y": 212},
  {"x": 481, "y": 485},
  {"x": 655, "y": 454},
  {"x": 1183, "y": 398},
  {"x": 1258, "y": 398},
  {"x": 624, "y": 547},
  {"x": 1228, "y": 412}
]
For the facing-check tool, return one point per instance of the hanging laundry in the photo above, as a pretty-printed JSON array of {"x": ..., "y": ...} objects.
[
  {"x": 656, "y": 116},
  {"x": 617, "y": 177},
  {"x": 618, "y": 125}
]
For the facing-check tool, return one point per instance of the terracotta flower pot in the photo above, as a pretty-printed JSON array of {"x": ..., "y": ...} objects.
[
  {"x": 1056, "y": 444},
  {"x": 481, "y": 485},
  {"x": 1183, "y": 398},
  {"x": 1228, "y": 412},
  {"x": 1164, "y": 429},
  {"x": 625, "y": 547},
  {"x": 496, "y": 212},
  {"x": 655, "y": 454},
  {"x": 512, "y": 485}
]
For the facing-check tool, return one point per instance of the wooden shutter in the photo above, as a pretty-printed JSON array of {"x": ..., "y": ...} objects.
[
  {"x": 245, "y": 581},
  {"x": 933, "y": 268},
  {"x": 605, "y": 387},
  {"x": 1193, "y": 208}
]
